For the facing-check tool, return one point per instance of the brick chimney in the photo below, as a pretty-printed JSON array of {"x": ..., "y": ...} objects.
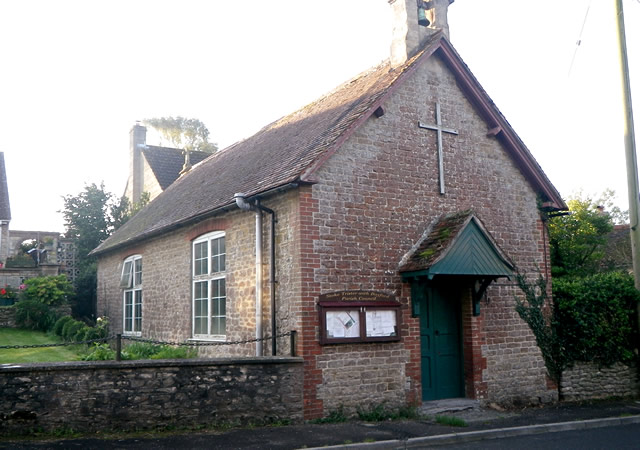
[
  {"x": 411, "y": 29},
  {"x": 137, "y": 141}
]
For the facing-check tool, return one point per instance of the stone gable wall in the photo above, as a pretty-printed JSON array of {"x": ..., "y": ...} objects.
[
  {"x": 374, "y": 199},
  {"x": 135, "y": 395}
]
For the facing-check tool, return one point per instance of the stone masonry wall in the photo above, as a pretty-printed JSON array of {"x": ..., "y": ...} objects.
[
  {"x": 167, "y": 286},
  {"x": 7, "y": 316},
  {"x": 374, "y": 199},
  {"x": 99, "y": 396},
  {"x": 588, "y": 381}
]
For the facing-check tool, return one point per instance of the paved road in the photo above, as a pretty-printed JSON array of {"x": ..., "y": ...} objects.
[{"x": 619, "y": 437}]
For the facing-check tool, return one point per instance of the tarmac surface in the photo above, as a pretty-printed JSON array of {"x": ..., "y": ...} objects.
[{"x": 482, "y": 423}]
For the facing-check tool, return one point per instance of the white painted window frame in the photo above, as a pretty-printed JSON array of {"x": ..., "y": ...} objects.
[
  {"x": 131, "y": 283},
  {"x": 210, "y": 278}
]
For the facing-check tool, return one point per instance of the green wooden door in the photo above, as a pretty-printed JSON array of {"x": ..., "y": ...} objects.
[{"x": 440, "y": 345}]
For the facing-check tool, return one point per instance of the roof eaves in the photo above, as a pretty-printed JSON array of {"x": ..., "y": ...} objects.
[{"x": 403, "y": 72}]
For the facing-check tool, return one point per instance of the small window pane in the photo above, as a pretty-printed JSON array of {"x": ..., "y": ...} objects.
[
  {"x": 138, "y": 312},
  {"x": 201, "y": 325},
  {"x": 218, "y": 325},
  {"x": 137, "y": 272},
  {"x": 201, "y": 258},
  {"x": 128, "y": 311},
  {"x": 125, "y": 279},
  {"x": 201, "y": 307}
]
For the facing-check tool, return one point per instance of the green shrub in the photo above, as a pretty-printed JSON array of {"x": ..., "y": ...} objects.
[
  {"x": 100, "y": 352},
  {"x": 81, "y": 334},
  {"x": 34, "y": 315},
  {"x": 595, "y": 316},
  {"x": 142, "y": 350},
  {"x": 52, "y": 290},
  {"x": 92, "y": 334},
  {"x": 168, "y": 352},
  {"x": 60, "y": 323},
  {"x": 70, "y": 329}
]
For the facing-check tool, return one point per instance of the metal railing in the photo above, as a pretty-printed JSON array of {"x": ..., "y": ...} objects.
[{"x": 118, "y": 338}]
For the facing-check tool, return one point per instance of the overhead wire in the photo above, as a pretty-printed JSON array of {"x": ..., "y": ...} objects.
[{"x": 579, "y": 41}]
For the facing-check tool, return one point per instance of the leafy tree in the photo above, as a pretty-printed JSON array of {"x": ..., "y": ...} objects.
[
  {"x": 90, "y": 217},
  {"x": 189, "y": 134},
  {"x": 578, "y": 239}
]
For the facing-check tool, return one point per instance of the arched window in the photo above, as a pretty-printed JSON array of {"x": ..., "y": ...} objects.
[
  {"x": 209, "y": 286},
  {"x": 131, "y": 283}
]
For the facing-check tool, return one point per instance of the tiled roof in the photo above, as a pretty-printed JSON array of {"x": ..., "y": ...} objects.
[
  {"x": 5, "y": 208},
  {"x": 290, "y": 149},
  {"x": 448, "y": 240},
  {"x": 167, "y": 163},
  {"x": 435, "y": 241}
]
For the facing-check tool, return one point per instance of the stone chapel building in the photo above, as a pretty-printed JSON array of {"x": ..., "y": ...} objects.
[{"x": 400, "y": 203}]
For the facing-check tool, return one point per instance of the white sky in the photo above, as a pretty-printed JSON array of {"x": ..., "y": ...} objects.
[{"x": 76, "y": 75}]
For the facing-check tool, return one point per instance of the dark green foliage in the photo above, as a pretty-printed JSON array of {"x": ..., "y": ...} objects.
[
  {"x": 168, "y": 352},
  {"x": 144, "y": 350},
  {"x": 536, "y": 310},
  {"x": 51, "y": 290},
  {"x": 100, "y": 352},
  {"x": 84, "y": 301},
  {"x": 34, "y": 315},
  {"x": 93, "y": 333},
  {"x": 81, "y": 334},
  {"x": 595, "y": 317},
  {"x": 577, "y": 240},
  {"x": 90, "y": 217},
  {"x": 141, "y": 349},
  {"x": 60, "y": 323},
  {"x": 70, "y": 329}
]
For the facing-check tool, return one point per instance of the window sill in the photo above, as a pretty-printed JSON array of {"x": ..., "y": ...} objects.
[
  {"x": 133, "y": 334},
  {"x": 208, "y": 339}
]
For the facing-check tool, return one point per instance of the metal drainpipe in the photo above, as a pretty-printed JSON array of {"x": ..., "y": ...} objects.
[
  {"x": 255, "y": 206},
  {"x": 259, "y": 283}
]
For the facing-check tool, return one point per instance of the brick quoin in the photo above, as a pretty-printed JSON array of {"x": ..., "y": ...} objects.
[{"x": 309, "y": 262}]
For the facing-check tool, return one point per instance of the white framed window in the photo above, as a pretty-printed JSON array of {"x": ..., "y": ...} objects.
[
  {"x": 131, "y": 283},
  {"x": 209, "y": 287}
]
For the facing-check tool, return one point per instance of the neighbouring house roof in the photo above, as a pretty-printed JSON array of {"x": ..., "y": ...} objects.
[
  {"x": 617, "y": 251},
  {"x": 456, "y": 244},
  {"x": 5, "y": 208},
  {"x": 166, "y": 163},
  {"x": 292, "y": 148}
]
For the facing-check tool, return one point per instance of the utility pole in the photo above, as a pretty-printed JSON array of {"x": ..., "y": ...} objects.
[{"x": 630, "y": 149}]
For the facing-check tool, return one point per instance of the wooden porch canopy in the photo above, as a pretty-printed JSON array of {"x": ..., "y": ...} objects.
[{"x": 457, "y": 245}]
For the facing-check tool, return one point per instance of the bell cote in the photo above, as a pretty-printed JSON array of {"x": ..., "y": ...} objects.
[{"x": 413, "y": 21}]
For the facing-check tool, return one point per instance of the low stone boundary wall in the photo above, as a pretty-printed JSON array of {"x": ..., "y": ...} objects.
[
  {"x": 588, "y": 381},
  {"x": 7, "y": 317},
  {"x": 128, "y": 395}
]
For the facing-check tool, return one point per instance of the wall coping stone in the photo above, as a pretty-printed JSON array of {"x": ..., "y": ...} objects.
[{"x": 145, "y": 363}]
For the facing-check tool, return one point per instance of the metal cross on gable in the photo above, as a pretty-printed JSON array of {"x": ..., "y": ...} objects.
[{"x": 440, "y": 129}]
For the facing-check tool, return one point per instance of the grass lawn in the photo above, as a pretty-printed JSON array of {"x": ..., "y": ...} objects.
[{"x": 13, "y": 336}]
